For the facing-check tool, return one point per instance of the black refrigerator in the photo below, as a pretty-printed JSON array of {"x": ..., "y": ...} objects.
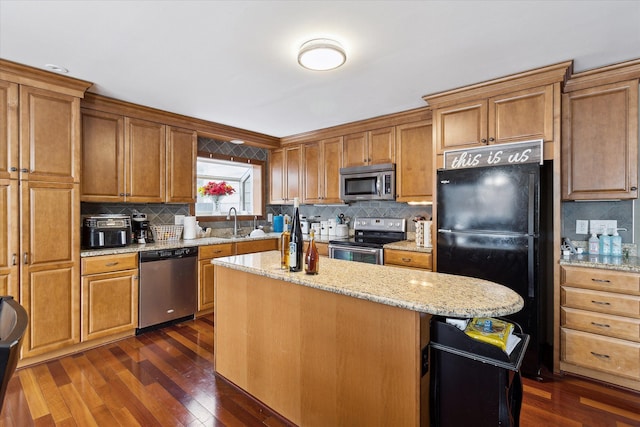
[{"x": 495, "y": 223}]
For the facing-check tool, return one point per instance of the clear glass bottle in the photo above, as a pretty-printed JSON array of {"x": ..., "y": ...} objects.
[
  {"x": 284, "y": 246},
  {"x": 296, "y": 243},
  {"x": 312, "y": 259}
]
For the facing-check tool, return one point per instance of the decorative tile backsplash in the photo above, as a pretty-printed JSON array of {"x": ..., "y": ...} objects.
[{"x": 622, "y": 211}]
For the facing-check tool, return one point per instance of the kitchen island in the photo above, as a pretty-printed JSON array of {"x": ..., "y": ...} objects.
[{"x": 348, "y": 346}]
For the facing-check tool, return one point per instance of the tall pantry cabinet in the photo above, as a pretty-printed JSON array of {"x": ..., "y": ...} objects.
[{"x": 39, "y": 188}]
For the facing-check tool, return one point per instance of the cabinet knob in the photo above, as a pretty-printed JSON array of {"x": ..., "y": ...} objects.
[
  {"x": 14, "y": 259},
  {"x": 492, "y": 139},
  {"x": 13, "y": 169},
  {"x": 121, "y": 194},
  {"x": 25, "y": 259},
  {"x": 24, "y": 170},
  {"x": 634, "y": 188},
  {"x": 483, "y": 140}
]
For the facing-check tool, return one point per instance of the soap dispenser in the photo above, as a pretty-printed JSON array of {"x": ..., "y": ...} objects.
[
  {"x": 616, "y": 244},
  {"x": 605, "y": 244},
  {"x": 594, "y": 244}
]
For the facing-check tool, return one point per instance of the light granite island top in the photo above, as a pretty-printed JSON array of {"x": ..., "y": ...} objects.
[{"x": 420, "y": 291}]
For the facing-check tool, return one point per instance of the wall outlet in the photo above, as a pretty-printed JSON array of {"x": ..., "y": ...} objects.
[
  {"x": 270, "y": 218},
  {"x": 582, "y": 226},
  {"x": 600, "y": 226}
]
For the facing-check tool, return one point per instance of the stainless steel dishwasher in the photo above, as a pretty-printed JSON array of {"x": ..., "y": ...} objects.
[{"x": 168, "y": 287}]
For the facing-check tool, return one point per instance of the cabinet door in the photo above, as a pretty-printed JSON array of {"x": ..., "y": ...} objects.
[
  {"x": 49, "y": 136},
  {"x": 461, "y": 126},
  {"x": 356, "y": 150},
  {"x": 600, "y": 142},
  {"x": 206, "y": 294},
  {"x": 313, "y": 177},
  {"x": 293, "y": 172},
  {"x": 9, "y": 250},
  {"x": 522, "y": 116},
  {"x": 414, "y": 170},
  {"x": 102, "y": 157},
  {"x": 109, "y": 304},
  {"x": 49, "y": 275},
  {"x": 381, "y": 148},
  {"x": 145, "y": 161},
  {"x": 332, "y": 150},
  {"x": 8, "y": 130},
  {"x": 181, "y": 165},
  {"x": 277, "y": 181}
]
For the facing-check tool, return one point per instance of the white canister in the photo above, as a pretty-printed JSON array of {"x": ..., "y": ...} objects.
[
  {"x": 332, "y": 226},
  {"x": 427, "y": 233},
  {"x": 420, "y": 233},
  {"x": 324, "y": 228},
  {"x": 342, "y": 230}
]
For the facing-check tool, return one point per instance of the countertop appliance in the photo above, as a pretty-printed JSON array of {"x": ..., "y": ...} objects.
[
  {"x": 370, "y": 235},
  {"x": 374, "y": 182},
  {"x": 495, "y": 223},
  {"x": 106, "y": 231},
  {"x": 167, "y": 287},
  {"x": 140, "y": 227}
]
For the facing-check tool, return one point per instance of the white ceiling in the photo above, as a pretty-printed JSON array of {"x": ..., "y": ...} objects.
[{"x": 234, "y": 62}]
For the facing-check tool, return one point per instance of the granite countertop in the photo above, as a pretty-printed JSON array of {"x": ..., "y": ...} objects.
[
  {"x": 408, "y": 245},
  {"x": 173, "y": 244},
  {"x": 629, "y": 264},
  {"x": 422, "y": 291}
]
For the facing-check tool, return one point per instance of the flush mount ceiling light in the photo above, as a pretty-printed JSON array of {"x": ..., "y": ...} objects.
[{"x": 321, "y": 55}]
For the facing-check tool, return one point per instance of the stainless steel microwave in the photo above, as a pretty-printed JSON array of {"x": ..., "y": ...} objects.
[{"x": 375, "y": 182}]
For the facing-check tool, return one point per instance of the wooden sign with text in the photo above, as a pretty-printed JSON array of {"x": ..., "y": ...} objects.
[{"x": 495, "y": 155}]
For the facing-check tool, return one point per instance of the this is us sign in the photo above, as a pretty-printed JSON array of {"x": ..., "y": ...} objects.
[{"x": 495, "y": 155}]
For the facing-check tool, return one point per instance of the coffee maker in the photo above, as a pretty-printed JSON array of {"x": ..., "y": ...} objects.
[{"x": 140, "y": 228}]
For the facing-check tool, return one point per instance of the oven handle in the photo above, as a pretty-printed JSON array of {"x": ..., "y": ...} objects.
[{"x": 379, "y": 185}]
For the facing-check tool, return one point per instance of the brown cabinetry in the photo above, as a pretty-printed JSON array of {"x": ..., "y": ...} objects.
[
  {"x": 109, "y": 295},
  {"x": 370, "y": 147},
  {"x": 600, "y": 139},
  {"x": 8, "y": 130},
  {"x": 409, "y": 259},
  {"x": 322, "y": 163},
  {"x": 181, "y": 165},
  {"x": 285, "y": 169},
  {"x": 414, "y": 169},
  {"x": 206, "y": 269},
  {"x": 600, "y": 325},
  {"x": 9, "y": 231}
]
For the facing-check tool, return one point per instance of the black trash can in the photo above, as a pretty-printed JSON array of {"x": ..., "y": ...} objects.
[{"x": 473, "y": 383}]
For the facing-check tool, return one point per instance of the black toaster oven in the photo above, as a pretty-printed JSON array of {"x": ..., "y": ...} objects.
[{"x": 106, "y": 231}]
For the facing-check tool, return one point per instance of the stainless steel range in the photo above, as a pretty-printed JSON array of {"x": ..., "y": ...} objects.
[{"x": 370, "y": 235}]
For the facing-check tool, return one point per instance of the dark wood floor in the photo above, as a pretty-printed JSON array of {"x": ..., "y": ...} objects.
[{"x": 165, "y": 378}]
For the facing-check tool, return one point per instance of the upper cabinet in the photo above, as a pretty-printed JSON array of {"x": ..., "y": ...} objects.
[
  {"x": 123, "y": 159},
  {"x": 370, "y": 147},
  {"x": 600, "y": 134},
  {"x": 8, "y": 130},
  {"x": 285, "y": 168},
  {"x": 322, "y": 163},
  {"x": 414, "y": 154},
  {"x": 181, "y": 165},
  {"x": 516, "y": 108}
]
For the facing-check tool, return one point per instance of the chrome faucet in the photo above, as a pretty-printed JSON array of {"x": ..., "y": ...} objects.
[{"x": 235, "y": 220}]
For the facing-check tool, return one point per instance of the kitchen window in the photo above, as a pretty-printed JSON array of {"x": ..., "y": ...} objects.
[{"x": 244, "y": 175}]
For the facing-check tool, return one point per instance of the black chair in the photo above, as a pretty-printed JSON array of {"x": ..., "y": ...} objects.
[{"x": 13, "y": 324}]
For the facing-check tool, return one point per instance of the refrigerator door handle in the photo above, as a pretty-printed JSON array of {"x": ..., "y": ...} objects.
[
  {"x": 530, "y": 268},
  {"x": 444, "y": 230}
]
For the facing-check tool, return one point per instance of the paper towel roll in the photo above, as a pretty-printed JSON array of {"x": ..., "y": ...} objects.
[{"x": 190, "y": 227}]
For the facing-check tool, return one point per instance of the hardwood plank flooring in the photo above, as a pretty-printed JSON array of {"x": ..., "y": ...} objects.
[{"x": 165, "y": 378}]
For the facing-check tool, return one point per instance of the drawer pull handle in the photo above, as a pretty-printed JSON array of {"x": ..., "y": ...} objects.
[
  {"x": 601, "y": 280},
  {"x": 601, "y": 356},
  {"x": 406, "y": 259},
  {"x": 217, "y": 252},
  {"x": 601, "y": 302},
  {"x": 602, "y": 325},
  {"x": 111, "y": 264}
]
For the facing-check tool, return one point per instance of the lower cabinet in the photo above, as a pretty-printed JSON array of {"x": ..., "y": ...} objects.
[
  {"x": 109, "y": 295},
  {"x": 408, "y": 259},
  {"x": 206, "y": 269},
  {"x": 205, "y": 273},
  {"x": 600, "y": 325}
]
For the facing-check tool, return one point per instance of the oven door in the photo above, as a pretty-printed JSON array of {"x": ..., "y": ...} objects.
[{"x": 357, "y": 253}]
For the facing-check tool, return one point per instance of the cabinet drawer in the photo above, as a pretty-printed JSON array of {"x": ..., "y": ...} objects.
[
  {"x": 215, "y": 251},
  {"x": 602, "y": 302},
  {"x": 602, "y": 280},
  {"x": 602, "y": 353},
  {"x": 109, "y": 263},
  {"x": 251, "y": 246},
  {"x": 407, "y": 258},
  {"x": 603, "y": 324}
]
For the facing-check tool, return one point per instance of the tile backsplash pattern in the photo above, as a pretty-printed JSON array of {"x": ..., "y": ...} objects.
[{"x": 622, "y": 211}]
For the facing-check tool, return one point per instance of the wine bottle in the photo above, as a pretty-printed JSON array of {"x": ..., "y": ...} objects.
[
  {"x": 296, "y": 247},
  {"x": 312, "y": 259},
  {"x": 284, "y": 246}
]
